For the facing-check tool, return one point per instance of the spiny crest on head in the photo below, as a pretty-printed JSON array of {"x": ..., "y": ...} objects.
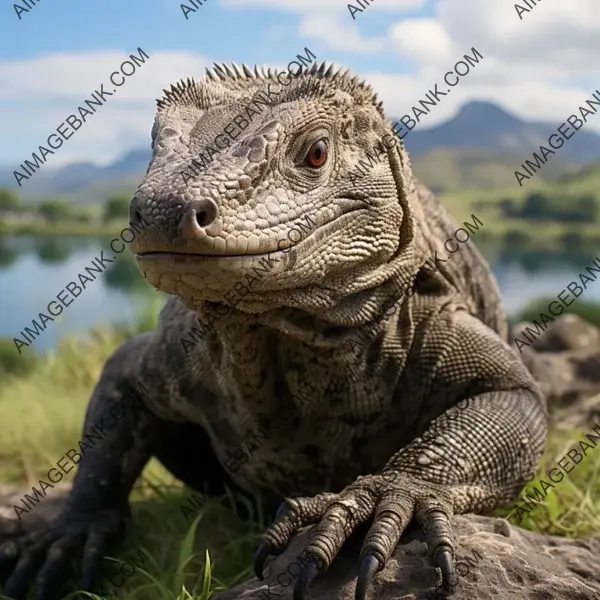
[
  {"x": 317, "y": 80},
  {"x": 184, "y": 91}
]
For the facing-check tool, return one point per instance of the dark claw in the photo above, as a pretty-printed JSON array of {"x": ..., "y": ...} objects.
[
  {"x": 444, "y": 562},
  {"x": 50, "y": 578},
  {"x": 93, "y": 552},
  {"x": 307, "y": 574},
  {"x": 369, "y": 566},
  {"x": 8, "y": 551},
  {"x": 263, "y": 551},
  {"x": 282, "y": 508}
]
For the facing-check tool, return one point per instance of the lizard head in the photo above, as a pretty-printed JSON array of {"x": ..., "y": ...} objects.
[{"x": 255, "y": 197}]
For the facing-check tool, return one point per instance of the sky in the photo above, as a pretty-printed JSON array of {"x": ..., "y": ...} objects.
[{"x": 540, "y": 64}]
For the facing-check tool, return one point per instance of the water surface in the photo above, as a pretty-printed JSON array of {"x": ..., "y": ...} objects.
[{"x": 33, "y": 270}]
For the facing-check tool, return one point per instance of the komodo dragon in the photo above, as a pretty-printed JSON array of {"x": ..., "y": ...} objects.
[{"x": 347, "y": 451}]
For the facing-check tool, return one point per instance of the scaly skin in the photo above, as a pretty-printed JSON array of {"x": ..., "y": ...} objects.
[{"x": 346, "y": 451}]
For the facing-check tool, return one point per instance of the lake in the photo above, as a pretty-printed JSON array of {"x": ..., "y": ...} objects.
[{"x": 33, "y": 269}]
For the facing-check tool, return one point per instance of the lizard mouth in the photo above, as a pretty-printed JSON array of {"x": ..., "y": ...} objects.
[{"x": 209, "y": 276}]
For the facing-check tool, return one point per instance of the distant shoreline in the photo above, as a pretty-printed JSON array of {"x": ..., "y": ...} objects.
[{"x": 60, "y": 229}]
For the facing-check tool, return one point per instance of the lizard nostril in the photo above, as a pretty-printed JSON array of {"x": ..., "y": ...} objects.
[
  {"x": 135, "y": 217},
  {"x": 197, "y": 216},
  {"x": 201, "y": 218},
  {"x": 206, "y": 212}
]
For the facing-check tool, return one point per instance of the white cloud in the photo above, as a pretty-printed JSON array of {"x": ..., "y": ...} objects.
[
  {"x": 555, "y": 35},
  {"x": 64, "y": 81},
  {"x": 408, "y": 37},
  {"x": 76, "y": 75},
  {"x": 339, "y": 34},
  {"x": 536, "y": 101},
  {"x": 541, "y": 67},
  {"x": 331, "y": 22}
]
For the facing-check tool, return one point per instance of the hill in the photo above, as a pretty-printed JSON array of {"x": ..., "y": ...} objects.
[
  {"x": 83, "y": 182},
  {"x": 565, "y": 193},
  {"x": 446, "y": 170},
  {"x": 582, "y": 180},
  {"x": 485, "y": 126}
]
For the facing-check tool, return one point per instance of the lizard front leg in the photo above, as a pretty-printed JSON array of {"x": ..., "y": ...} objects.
[{"x": 470, "y": 461}]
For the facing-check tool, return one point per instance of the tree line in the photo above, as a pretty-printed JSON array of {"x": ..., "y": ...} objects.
[
  {"x": 58, "y": 209},
  {"x": 583, "y": 208}
]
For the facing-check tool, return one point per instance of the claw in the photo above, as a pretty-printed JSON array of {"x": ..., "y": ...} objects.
[
  {"x": 282, "y": 508},
  {"x": 263, "y": 551},
  {"x": 308, "y": 573},
  {"x": 444, "y": 562},
  {"x": 369, "y": 566},
  {"x": 93, "y": 552}
]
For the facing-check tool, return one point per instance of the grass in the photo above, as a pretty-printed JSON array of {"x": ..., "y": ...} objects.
[
  {"x": 42, "y": 411},
  {"x": 461, "y": 169},
  {"x": 589, "y": 311},
  {"x": 42, "y": 414},
  {"x": 572, "y": 509}
]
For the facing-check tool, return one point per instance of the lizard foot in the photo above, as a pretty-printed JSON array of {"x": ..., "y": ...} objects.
[
  {"x": 46, "y": 556},
  {"x": 392, "y": 500}
]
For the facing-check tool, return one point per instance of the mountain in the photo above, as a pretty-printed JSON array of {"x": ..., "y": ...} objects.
[
  {"x": 82, "y": 181},
  {"x": 485, "y": 126},
  {"x": 479, "y": 148}
]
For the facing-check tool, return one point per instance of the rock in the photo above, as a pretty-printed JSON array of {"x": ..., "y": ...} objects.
[
  {"x": 495, "y": 561},
  {"x": 567, "y": 332},
  {"x": 565, "y": 360},
  {"x": 516, "y": 331},
  {"x": 566, "y": 376}
]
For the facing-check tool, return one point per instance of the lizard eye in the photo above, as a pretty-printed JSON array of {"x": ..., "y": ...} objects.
[{"x": 317, "y": 154}]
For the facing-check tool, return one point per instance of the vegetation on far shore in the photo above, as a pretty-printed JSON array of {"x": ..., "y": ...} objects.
[
  {"x": 63, "y": 229},
  {"x": 536, "y": 219},
  {"x": 57, "y": 216},
  {"x": 590, "y": 311}
]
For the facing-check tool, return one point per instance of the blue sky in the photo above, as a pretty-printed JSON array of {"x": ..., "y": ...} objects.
[
  {"x": 540, "y": 66},
  {"x": 258, "y": 35}
]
